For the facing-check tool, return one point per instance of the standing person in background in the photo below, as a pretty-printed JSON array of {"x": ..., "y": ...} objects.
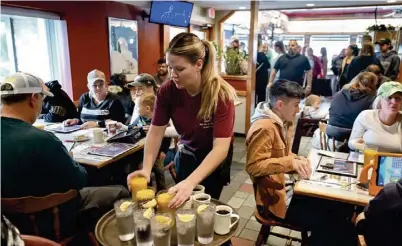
[
  {"x": 360, "y": 63},
  {"x": 262, "y": 75},
  {"x": 336, "y": 68},
  {"x": 293, "y": 67},
  {"x": 324, "y": 62},
  {"x": 377, "y": 71},
  {"x": 351, "y": 52},
  {"x": 389, "y": 59},
  {"x": 201, "y": 106},
  {"x": 118, "y": 87},
  {"x": 315, "y": 63},
  {"x": 162, "y": 75}
]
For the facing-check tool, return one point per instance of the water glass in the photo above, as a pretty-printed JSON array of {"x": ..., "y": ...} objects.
[
  {"x": 143, "y": 226},
  {"x": 205, "y": 223},
  {"x": 124, "y": 209},
  {"x": 185, "y": 222},
  {"x": 161, "y": 224}
]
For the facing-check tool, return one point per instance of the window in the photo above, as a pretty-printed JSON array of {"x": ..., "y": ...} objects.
[
  {"x": 333, "y": 43},
  {"x": 173, "y": 31},
  {"x": 34, "y": 42}
]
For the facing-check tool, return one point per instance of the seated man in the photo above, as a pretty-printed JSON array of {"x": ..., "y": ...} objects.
[
  {"x": 381, "y": 221},
  {"x": 58, "y": 108},
  {"x": 36, "y": 163},
  {"x": 269, "y": 158}
]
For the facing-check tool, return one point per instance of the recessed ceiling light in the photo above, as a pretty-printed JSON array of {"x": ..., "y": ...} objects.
[
  {"x": 242, "y": 7},
  {"x": 391, "y": 1},
  {"x": 310, "y": 4}
]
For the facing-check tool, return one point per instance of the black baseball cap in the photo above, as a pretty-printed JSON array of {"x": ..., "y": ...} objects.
[
  {"x": 143, "y": 79},
  {"x": 384, "y": 41}
]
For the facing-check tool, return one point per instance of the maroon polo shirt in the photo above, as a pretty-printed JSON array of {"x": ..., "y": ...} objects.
[{"x": 178, "y": 105}]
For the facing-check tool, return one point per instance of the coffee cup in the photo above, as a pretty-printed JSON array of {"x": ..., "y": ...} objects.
[
  {"x": 111, "y": 126},
  {"x": 198, "y": 189},
  {"x": 201, "y": 198},
  {"x": 97, "y": 135},
  {"x": 223, "y": 219}
]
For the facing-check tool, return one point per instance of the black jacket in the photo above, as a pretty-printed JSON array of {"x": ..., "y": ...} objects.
[
  {"x": 391, "y": 62},
  {"x": 359, "y": 64},
  {"x": 57, "y": 108},
  {"x": 383, "y": 223}
]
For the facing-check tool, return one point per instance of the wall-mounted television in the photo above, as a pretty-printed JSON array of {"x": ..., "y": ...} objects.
[{"x": 173, "y": 13}]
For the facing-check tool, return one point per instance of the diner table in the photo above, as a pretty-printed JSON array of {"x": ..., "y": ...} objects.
[
  {"x": 313, "y": 187},
  {"x": 80, "y": 149},
  {"x": 106, "y": 231}
]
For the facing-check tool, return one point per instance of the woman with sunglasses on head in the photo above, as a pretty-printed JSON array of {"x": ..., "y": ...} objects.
[
  {"x": 381, "y": 126},
  {"x": 97, "y": 105},
  {"x": 201, "y": 106}
]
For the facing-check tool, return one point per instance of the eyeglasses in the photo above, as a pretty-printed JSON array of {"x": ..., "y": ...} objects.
[
  {"x": 397, "y": 98},
  {"x": 98, "y": 85}
]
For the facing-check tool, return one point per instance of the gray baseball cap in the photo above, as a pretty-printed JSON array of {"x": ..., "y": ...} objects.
[
  {"x": 25, "y": 83},
  {"x": 143, "y": 79}
]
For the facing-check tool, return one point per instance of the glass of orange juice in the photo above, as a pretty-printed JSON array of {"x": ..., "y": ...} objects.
[
  {"x": 137, "y": 183},
  {"x": 146, "y": 197},
  {"x": 163, "y": 199},
  {"x": 370, "y": 152}
]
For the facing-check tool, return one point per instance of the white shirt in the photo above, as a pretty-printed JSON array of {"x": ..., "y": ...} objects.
[{"x": 369, "y": 127}]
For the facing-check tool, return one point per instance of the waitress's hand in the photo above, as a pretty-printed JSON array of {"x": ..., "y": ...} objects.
[
  {"x": 183, "y": 191},
  {"x": 144, "y": 173}
]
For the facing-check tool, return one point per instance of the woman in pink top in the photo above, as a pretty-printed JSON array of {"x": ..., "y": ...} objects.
[{"x": 201, "y": 106}]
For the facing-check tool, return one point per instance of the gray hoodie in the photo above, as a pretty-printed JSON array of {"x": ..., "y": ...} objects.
[{"x": 390, "y": 61}]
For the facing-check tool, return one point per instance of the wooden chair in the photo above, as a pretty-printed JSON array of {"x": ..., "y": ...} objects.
[
  {"x": 360, "y": 238},
  {"x": 324, "y": 141},
  {"x": 29, "y": 206},
  {"x": 304, "y": 128},
  {"x": 265, "y": 231},
  {"x": 38, "y": 241}
]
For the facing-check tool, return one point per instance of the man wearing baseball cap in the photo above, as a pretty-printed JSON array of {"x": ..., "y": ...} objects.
[
  {"x": 35, "y": 162},
  {"x": 144, "y": 83},
  {"x": 389, "y": 58}
]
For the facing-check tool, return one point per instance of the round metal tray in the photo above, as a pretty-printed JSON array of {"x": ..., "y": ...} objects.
[{"x": 107, "y": 234}]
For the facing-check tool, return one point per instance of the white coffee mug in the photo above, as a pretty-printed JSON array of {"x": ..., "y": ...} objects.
[
  {"x": 198, "y": 189},
  {"x": 97, "y": 135},
  {"x": 223, "y": 221},
  {"x": 201, "y": 198}
]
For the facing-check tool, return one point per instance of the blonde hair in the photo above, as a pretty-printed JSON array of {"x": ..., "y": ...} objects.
[
  {"x": 147, "y": 99},
  {"x": 213, "y": 87},
  {"x": 311, "y": 99},
  {"x": 367, "y": 49},
  {"x": 364, "y": 82}
]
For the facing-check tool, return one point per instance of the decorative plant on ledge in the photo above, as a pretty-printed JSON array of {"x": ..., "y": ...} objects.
[{"x": 381, "y": 28}]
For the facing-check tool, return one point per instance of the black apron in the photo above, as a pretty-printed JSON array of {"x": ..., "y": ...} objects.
[{"x": 187, "y": 160}]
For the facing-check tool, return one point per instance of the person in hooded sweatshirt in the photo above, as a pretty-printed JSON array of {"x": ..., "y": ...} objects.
[
  {"x": 58, "y": 108},
  {"x": 380, "y": 223},
  {"x": 346, "y": 105},
  {"x": 269, "y": 158},
  {"x": 389, "y": 59},
  {"x": 361, "y": 62}
]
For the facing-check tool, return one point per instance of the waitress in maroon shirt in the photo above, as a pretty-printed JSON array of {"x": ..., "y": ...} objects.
[{"x": 201, "y": 106}]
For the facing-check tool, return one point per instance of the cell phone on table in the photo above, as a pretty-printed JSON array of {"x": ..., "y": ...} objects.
[{"x": 363, "y": 186}]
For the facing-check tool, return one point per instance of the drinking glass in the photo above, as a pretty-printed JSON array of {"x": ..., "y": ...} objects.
[
  {"x": 161, "y": 229},
  {"x": 163, "y": 199},
  {"x": 205, "y": 223},
  {"x": 137, "y": 183},
  {"x": 185, "y": 221},
  {"x": 124, "y": 209},
  {"x": 370, "y": 152},
  {"x": 143, "y": 226},
  {"x": 145, "y": 198}
]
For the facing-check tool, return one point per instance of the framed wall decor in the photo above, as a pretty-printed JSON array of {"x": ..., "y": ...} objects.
[{"x": 123, "y": 46}]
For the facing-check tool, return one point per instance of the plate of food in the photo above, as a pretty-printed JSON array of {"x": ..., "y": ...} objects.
[{"x": 81, "y": 138}]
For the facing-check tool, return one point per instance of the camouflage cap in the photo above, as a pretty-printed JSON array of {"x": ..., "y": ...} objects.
[{"x": 389, "y": 88}]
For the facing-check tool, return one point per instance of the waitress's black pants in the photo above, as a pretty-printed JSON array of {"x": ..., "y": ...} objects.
[{"x": 187, "y": 160}]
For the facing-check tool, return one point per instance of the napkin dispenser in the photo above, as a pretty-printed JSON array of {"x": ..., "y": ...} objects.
[{"x": 376, "y": 183}]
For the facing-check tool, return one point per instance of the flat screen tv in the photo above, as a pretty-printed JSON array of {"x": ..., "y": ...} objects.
[{"x": 173, "y": 13}]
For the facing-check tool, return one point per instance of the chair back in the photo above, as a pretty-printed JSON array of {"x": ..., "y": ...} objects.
[
  {"x": 30, "y": 205},
  {"x": 323, "y": 137}
]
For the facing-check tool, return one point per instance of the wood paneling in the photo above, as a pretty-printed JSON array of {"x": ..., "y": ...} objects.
[
  {"x": 252, "y": 60},
  {"x": 238, "y": 82}
]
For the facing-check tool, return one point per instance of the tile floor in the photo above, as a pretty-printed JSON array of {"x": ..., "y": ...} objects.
[{"x": 240, "y": 195}]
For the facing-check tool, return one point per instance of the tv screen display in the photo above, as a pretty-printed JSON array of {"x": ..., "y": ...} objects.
[
  {"x": 389, "y": 170},
  {"x": 173, "y": 13}
]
